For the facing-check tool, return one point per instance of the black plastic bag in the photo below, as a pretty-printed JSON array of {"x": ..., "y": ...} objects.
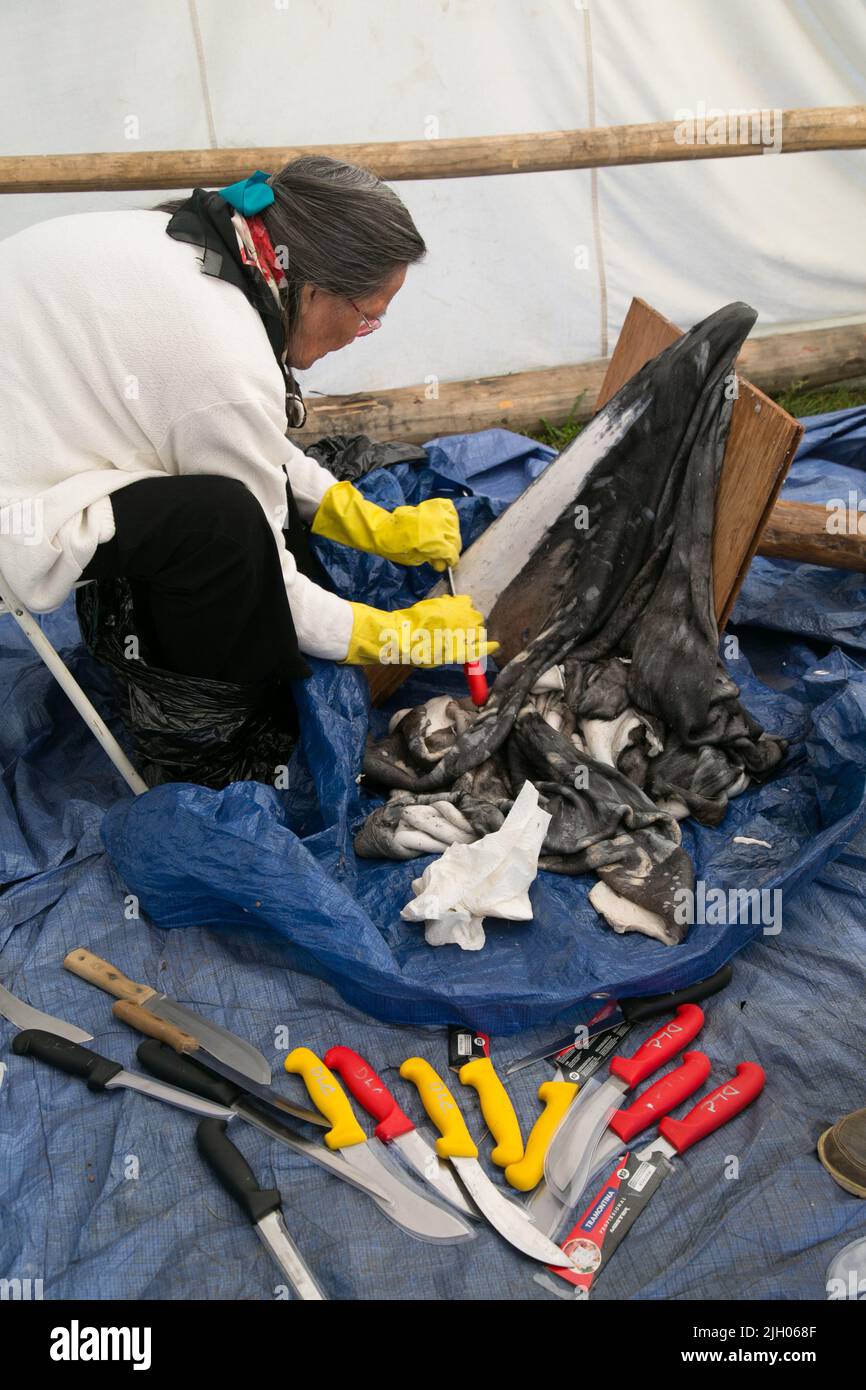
[
  {"x": 350, "y": 456},
  {"x": 185, "y": 728}
]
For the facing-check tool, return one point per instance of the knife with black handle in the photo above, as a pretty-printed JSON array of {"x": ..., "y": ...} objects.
[
  {"x": 262, "y": 1206},
  {"x": 103, "y": 1074},
  {"x": 631, "y": 1012},
  {"x": 653, "y": 1005},
  {"x": 162, "y": 1061}
]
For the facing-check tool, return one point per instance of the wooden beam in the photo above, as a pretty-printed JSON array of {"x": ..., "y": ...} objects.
[
  {"x": 515, "y": 401},
  {"x": 799, "y": 531},
  {"x": 658, "y": 142},
  {"x": 518, "y": 400}
]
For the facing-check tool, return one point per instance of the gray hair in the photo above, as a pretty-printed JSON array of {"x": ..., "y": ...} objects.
[{"x": 336, "y": 226}]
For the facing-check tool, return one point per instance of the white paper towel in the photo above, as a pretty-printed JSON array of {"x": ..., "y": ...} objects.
[{"x": 488, "y": 878}]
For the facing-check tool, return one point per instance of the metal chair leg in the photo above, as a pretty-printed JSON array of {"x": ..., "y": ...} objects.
[{"x": 61, "y": 673}]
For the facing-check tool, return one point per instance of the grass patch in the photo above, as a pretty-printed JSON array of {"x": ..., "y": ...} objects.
[{"x": 799, "y": 400}]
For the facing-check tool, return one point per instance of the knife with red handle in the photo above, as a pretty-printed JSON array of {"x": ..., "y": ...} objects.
[
  {"x": 715, "y": 1110},
  {"x": 394, "y": 1125},
  {"x": 675, "y": 1087},
  {"x": 664, "y": 1044},
  {"x": 648, "y": 1168},
  {"x": 656, "y": 1101},
  {"x": 568, "y": 1164}
]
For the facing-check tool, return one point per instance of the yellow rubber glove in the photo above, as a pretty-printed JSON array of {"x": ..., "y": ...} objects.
[
  {"x": 434, "y": 632},
  {"x": 409, "y": 535}
]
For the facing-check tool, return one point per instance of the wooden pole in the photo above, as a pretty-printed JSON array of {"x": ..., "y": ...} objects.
[
  {"x": 816, "y": 535},
  {"x": 518, "y": 400},
  {"x": 659, "y": 142}
]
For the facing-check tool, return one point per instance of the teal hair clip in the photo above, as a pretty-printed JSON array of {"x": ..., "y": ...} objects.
[{"x": 250, "y": 195}]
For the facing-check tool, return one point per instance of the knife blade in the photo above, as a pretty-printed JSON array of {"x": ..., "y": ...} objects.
[
  {"x": 103, "y": 1074},
  {"x": 162, "y": 1061},
  {"x": 647, "y": 1169},
  {"x": 408, "y": 1207},
  {"x": 235, "y": 1052},
  {"x": 657, "y": 1100},
  {"x": 185, "y": 1046},
  {"x": 456, "y": 1144},
  {"x": 263, "y": 1207},
  {"x": 631, "y": 1011},
  {"x": 394, "y": 1125},
  {"x": 566, "y": 1167},
  {"x": 25, "y": 1016}
]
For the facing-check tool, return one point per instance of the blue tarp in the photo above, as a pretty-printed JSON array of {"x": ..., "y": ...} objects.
[
  {"x": 104, "y": 1196},
  {"x": 265, "y": 861}
]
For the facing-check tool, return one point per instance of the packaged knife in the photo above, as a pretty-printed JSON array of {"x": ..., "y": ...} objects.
[{"x": 464, "y": 1045}]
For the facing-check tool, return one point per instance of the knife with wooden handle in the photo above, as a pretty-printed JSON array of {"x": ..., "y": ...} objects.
[
  {"x": 238, "y": 1054},
  {"x": 160, "y": 1017}
]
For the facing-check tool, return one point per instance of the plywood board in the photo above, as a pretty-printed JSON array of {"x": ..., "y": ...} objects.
[{"x": 762, "y": 441}]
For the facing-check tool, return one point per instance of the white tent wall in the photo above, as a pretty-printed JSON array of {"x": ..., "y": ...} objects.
[{"x": 523, "y": 271}]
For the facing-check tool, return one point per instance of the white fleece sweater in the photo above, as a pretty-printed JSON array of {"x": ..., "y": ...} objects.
[{"x": 121, "y": 361}]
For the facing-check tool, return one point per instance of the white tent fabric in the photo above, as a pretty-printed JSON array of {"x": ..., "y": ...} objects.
[{"x": 523, "y": 271}]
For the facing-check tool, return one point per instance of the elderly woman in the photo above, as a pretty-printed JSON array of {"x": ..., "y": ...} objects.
[{"x": 145, "y": 398}]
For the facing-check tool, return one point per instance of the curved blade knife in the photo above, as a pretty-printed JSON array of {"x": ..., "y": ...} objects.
[
  {"x": 25, "y": 1016},
  {"x": 457, "y": 1145},
  {"x": 394, "y": 1125},
  {"x": 567, "y": 1165},
  {"x": 407, "y": 1207}
]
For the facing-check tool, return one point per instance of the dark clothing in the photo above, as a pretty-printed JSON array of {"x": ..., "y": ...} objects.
[{"x": 204, "y": 572}]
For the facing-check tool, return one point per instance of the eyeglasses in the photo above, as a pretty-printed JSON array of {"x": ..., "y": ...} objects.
[{"x": 367, "y": 325}]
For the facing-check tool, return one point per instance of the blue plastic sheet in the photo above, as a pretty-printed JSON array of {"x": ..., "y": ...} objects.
[
  {"x": 104, "y": 1196},
  {"x": 242, "y": 858}
]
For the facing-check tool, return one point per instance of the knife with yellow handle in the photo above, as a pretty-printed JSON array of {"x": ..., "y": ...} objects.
[
  {"x": 496, "y": 1109},
  {"x": 403, "y": 1204},
  {"x": 556, "y": 1097},
  {"x": 394, "y": 1126},
  {"x": 456, "y": 1143}
]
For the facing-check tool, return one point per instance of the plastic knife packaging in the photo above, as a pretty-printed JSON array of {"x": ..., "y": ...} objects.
[
  {"x": 616, "y": 1206},
  {"x": 604, "y": 1225},
  {"x": 464, "y": 1045}
]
